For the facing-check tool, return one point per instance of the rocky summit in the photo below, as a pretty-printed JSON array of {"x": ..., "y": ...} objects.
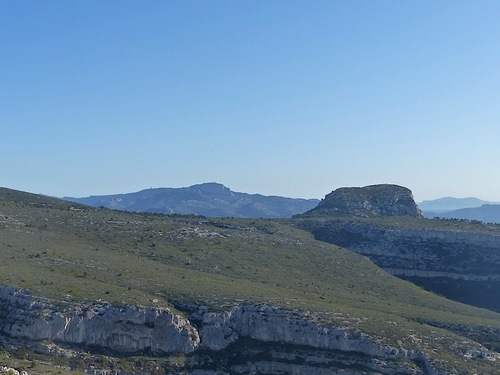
[{"x": 368, "y": 201}]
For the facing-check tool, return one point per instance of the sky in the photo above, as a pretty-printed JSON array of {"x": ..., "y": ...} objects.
[{"x": 281, "y": 97}]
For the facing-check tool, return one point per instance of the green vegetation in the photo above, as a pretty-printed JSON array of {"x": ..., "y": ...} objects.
[
  {"x": 22, "y": 360},
  {"x": 402, "y": 222},
  {"x": 69, "y": 252},
  {"x": 41, "y": 364}
]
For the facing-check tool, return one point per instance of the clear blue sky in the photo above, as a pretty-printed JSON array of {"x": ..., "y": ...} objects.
[{"x": 283, "y": 97}]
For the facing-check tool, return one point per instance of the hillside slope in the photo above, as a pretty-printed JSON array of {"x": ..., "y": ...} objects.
[
  {"x": 218, "y": 296},
  {"x": 209, "y": 199}
]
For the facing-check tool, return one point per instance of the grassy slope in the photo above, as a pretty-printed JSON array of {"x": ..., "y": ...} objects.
[{"x": 70, "y": 252}]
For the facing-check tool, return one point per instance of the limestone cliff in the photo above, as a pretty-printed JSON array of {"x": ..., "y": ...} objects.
[
  {"x": 124, "y": 329},
  {"x": 247, "y": 338},
  {"x": 458, "y": 263},
  {"x": 368, "y": 201}
]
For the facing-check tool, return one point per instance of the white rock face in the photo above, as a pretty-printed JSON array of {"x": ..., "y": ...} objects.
[
  {"x": 292, "y": 342},
  {"x": 269, "y": 324},
  {"x": 458, "y": 255},
  {"x": 125, "y": 329},
  {"x": 285, "y": 331}
]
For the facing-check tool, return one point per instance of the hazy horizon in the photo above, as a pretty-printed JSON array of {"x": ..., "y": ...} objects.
[{"x": 240, "y": 191}]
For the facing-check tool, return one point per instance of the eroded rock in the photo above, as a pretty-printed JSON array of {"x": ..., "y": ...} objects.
[{"x": 368, "y": 201}]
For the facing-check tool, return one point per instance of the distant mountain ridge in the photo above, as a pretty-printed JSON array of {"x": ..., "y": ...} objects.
[
  {"x": 207, "y": 199},
  {"x": 470, "y": 208},
  {"x": 451, "y": 203},
  {"x": 488, "y": 213}
]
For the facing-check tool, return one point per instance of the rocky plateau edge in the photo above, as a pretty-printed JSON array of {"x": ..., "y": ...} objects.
[
  {"x": 460, "y": 265},
  {"x": 319, "y": 348}
]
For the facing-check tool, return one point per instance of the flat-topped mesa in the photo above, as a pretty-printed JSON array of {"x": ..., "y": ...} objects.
[{"x": 368, "y": 201}]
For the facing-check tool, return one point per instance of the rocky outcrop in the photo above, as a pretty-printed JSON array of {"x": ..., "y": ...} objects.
[
  {"x": 4, "y": 370},
  {"x": 245, "y": 339},
  {"x": 368, "y": 201},
  {"x": 271, "y": 324},
  {"x": 122, "y": 329},
  {"x": 459, "y": 264},
  {"x": 463, "y": 265}
]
